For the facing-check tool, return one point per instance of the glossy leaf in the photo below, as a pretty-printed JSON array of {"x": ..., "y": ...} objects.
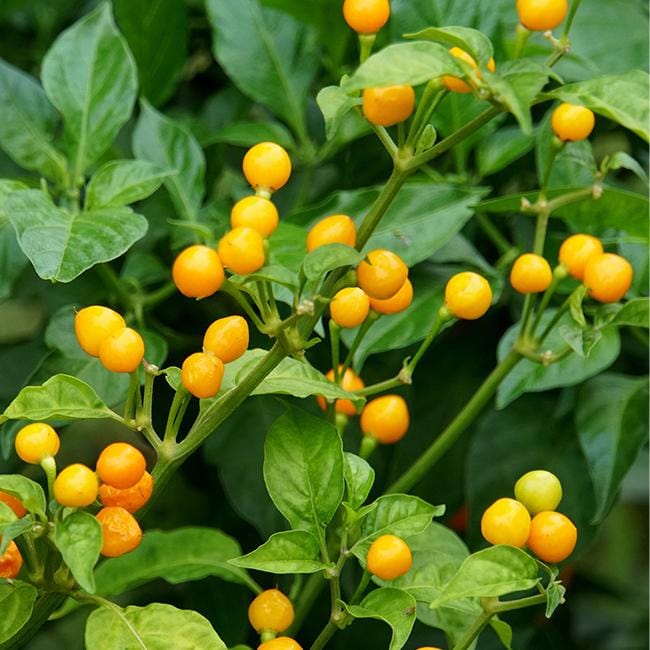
[
  {"x": 335, "y": 103},
  {"x": 170, "y": 145},
  {"x": 501, "y": 149},
  {"x": 528, "y": 376},
  {"x": 621, "y": 98},
  {"x": 633, "y": 313},
  {"x": 27, "y": 124},
  {"x": 90, "y": 76},
  {"x": 16, "y": 603},
  {"x": 503, "y": 631},
  {"x": 180, "y": 555},
  {"x": 411, "y": 63},
  {"x": 78, "y": 535},
  {"x": 359, "y": 477},
  {"x": 303, "y": 469},
  {"x": 156, "y": 31},
  {"x": 392, "y": 606},
  {"x": 396, "y": 514},
  {"x": 475, "y": 43},
  {"x": 612, "y": 425},
  {"x": 152, "y": 627},
  {"x": 291, "y": 551},
  {"x": 122, "y": 182},
  {"x": 12, "y": 259},
  {"x": 62, "y": 244},
  {"x": 277, "y": 65},
  {"x": 61, "y": 397},
  {"x": 489, "y": 573},
  {"x": 27, "y": 491},
  {"x": 247, "y": 134},
  {"x": 13, "y": 530},
  {"x": 329, "y": 257}
]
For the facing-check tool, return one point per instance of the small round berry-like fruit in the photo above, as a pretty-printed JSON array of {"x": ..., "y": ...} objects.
[
  {"x": 541, "y": 15},
  {"x": 227, "y": 338},
  {"x": 267, "y": 166},
  {"x": 271, "y": 610},
  {"x": 255, "y": 212},
  {"x": 608, "y": 277},
  {"x": 121, "y": 465},
  {"x": 468, "y": 295},
  {"x": 335, "y": 229},
  {"x": 385, "y": 418},
  {"x": 552, "y": 537},
  {"x": 458, "y": 85},
  {"x": 92, "y": 325},
  {"x": 350, "y": 382},
  {"x": 122, "y": 351},
  {"x": 350, "y": 307},
  {"x": 538, "y": 490},
  {"x": 198, "y": 272},
  {"x": 388, "y": 105},
  {"x": 76, "y": 486},
  {"x": 242, "y": 250},
  {"x": 280, "y": 643},
  {"x": 530, "y": 274},
  {"x": 36, "y": 441},
  {"x": 576, "y": 251},
  {"x": 395, "y": 304},
  {"x": 14, "y": 503},
  {"x": 506, "y": 521},
  {"x": 131, "y": 499},
  {"x": 366, "y": 16},
  {"x": 121, "y": 533},
  {"x": 572, "y": 123},
  {"x": 389, "y": 557},
  {"x": 202, "y": 374},
  {"x": 11, "y": 561},
  {"x": 382, "y": 274}
]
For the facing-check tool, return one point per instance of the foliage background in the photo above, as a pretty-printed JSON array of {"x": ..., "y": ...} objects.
[{"x": 222, "y": 486}]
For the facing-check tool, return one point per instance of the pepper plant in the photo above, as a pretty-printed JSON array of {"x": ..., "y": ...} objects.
[{"x": 297, "y": 278}]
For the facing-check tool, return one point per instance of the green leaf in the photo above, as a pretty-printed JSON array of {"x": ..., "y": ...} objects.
[
  {"x": 489, "y": 573},
  {"x": 411, "y": 63},
  {"x": 13, "y": 530},
  {"x": 620, "y": 97},
  {"x": 581, "y": 339},
  {"x": 153, "y": 627},
  {"x": 633, "y": 313},
  {"x": 122, "y": 182},
  {"x": 12, "y": 260},
  {"x": 291, "y": 377},
  {"x": 156, "y": 31},
  {"x": 503, "y": 631},
  {"x": 78, "y": 535},
  {"x": 554, "y": 597},
  {"x": 303, "y": 469},
  {"x": 61, "y": 397},
  {"x": 271, "y": 273},
  {"x": 16, "y": 604},
  {"x": 335, "y": 104},
  {"x": 176, "y": 556},
  {"x": 475, "y": 43},
  {"x": 422, "y": 218},
  {"x": 170, "y": 145},
  {"x": 90, "y": 76},
  {"x": 515, "y": 86},
  {"x": 394, "y": 607},
  {"x": 27, "y": 124},
  {"x": 622, "y": 160},
  {"x": 279, "y": 62},
  {"x": 247, "y": 134},
  {"x": 61, "y": 244},
  {"x": 575, "y": 306},
  {"x": 359, "y": 477},
  {"x": 291, "y": 551},
  {"x": 29, "y": 493},
  {"x": 501, "y": 148},
  {"x": 612, "y": 426},
  {"x": 329, "y": 257},
  {"x": 528, "y": 376},
  {"x": 396, "y": 514}
]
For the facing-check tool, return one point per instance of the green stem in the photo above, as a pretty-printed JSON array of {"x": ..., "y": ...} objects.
[
  {"x": 48, "y": 465},
  {"x": 526, "y": 313},
  {"x": 546, "y": 298},
  {"x": 380, "y": 387},
  {"x": 569, "y": 21},
  {"x": 520, "y": 603},
  {"x": 444, "y": 145},
  {"x": 326, "y": 634},
  {"x": 366, "y": 41},
  {"x": 540, "y": 231},
  {"x": 159, "y": 295},
  {"x": 477, "y": 627},
  {"x": 372, "y": 318},
  {"x": 553, "y": 322},
  {"x": 334, "y": 345},
  {"x": 134, "y": 390},
  {"x": 521, "y": 38},
  {"x": 231, "y": 290},
  {"x": 175, "y": 415},
  {"x": 572, "y": 197},
  {"x": 361, "y": 587},
  {"x": 431, "y": 97},
  {"x": 458, "y": 425},
  {"x": 44, "y": 606},
  {"x": 493, "y": 234},
  {"x": 385, "y": 139},
  {"x": 442, "y": 316},
  {"x": 306, "y": 600}
]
